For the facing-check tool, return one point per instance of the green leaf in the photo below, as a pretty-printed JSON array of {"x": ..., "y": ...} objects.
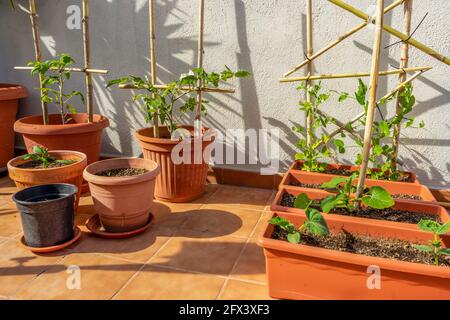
[
  {"x": 242, "y": 74},
  {"x": 378, "y": 198},
  {"x": 302, "y": 201},
  {"x": 429, "y": 226},
  {"x": 333, "y": 183},
  {"x": 343, "y": 96},
  {"x": 446, "y": 251},
  {"x": 422, "y": 247},
  {"x": 294, "y": 237},
  {"x": 315, "y": 222},
  {"x": 329, "y": 203},
  {"x": 443, "y": 229}
]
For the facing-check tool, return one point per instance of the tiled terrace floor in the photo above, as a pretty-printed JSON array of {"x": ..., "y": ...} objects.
[{"x": 200, "y": 250}]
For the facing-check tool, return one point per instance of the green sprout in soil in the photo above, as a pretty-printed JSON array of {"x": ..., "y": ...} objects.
[
  {"x": 42, "y": 156},
  {"x": 435, "y": 245}
]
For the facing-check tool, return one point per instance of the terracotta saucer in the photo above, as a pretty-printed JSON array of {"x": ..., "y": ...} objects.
[
  {"x": 95, "y": 226},
  {"x": 77, "y": 236}
]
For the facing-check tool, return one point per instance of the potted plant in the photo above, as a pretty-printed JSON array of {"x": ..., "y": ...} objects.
[
  {"x": 48, "y": 167},
  {"x": 180, "y": 181},
  {"x": 67, "y": 129},
  {"x": 47, "y": 214},
  {"x": 123, "y": 192},
  {"x": 338, "y": 260},
  {"x": 9, "y": 102}
]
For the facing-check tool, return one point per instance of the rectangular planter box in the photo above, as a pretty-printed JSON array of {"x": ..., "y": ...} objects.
[
  {"x": 303, "y": 272},
  {"x": 368, "y": 224}
]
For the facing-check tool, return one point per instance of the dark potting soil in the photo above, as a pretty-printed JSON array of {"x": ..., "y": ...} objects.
[
  {"x": 388, "y": 214},
  {"x": 406, "y": 196},
  {"x": 364, "y": 245},
  {"x": 40, "y": 165},
  {"x": 122, "y": 172}
]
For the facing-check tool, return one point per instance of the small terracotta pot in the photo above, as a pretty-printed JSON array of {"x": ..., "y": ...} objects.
[
  {"x": 123, "y": 203},
  {"x": 9, "y": 102},
  {"x": 70, "y": 174},
  {"x": 304, "y": 272},
  {"x": 366, "y": 224},
  {"x": 79, "y": 135},
  {"x": 178, "y": 182},
  {"x": 295, "y": 176}
]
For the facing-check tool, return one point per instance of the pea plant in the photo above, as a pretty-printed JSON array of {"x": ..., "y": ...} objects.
[
  {"x": 161, "y": 103},
  {"x": 435, "y": 245},
  {"x": 54, "y": 74},
  {"x": 42, "y": 156}
]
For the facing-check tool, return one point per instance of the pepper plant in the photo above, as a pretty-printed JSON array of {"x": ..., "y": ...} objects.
[
  {"x": 41, "y": 155},
  {"x": 55, "y": 73},
  {"x": 435, "y": 245}
]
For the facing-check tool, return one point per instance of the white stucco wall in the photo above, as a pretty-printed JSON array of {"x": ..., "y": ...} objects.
[{"x": 266, "y": 37}]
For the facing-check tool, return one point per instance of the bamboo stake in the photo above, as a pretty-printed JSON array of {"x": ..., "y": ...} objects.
[
  {"x": 153, "y": 70},
  {"x": 163, "y": 86},
  {"x": 100, "y": 71},
  {"x": 87, "y": 62},
  {"x": 355, "y": 75},
  {"x": 341, "y": 125},
  {"x": 309, "y": 69},
  {"x": 407, "y": 13},
  {"x": 372, "y": 99},
  {"x": 340, "y": 39},
  {"x": 394, "y": 32},
  {"x": 198, "y": 115},
  {"x": 38, "y": 55}
]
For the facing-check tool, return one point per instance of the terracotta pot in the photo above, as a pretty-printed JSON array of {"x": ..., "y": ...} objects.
[
  {"x": 304, "y": 272},
  {"x": 9, "y": 103},
  {"x": 178, "y": 182},
  {"x": 295, "y": 176},
  {"x": 78, "y": 135},
  {"x": 123, "y": 203},
  {"x": 70, "y": 174},
  {"x": 367, "y": 224}
]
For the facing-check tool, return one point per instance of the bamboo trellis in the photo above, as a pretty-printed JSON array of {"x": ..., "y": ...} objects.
[{"x": 87, "y": 70}]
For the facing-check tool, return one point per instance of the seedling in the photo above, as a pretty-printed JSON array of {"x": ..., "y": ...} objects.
[
  {"x": 54, "y": 75},
  {"x": 314, "y": 223},
  {"x": 42, "y": 156},
  {"x": 435, "y": 245}
]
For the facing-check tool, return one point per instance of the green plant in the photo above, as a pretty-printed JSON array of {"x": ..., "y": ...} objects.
[
  {"x": 162, "y": 102},
  {"x": 314, "y": 223},
  {"x": 11, "y": 3},
  {"x": 55, "y": 73},
  {"x": 42, "y": 156},
  {"x": 435, "y": 245}
]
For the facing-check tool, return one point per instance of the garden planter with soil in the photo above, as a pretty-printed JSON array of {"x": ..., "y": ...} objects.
[
  {"x": 123, "y": 191},
  {"x": 9, "y": 103},
  {"x": 299, "y": 271},
  {"x": 413, "y": 210},
  {"x": 78, "y": 135},
  {"x": 177, "y": 182},
  {"x": 25, "y": 175},
  {"x": 47, "y": 214}
]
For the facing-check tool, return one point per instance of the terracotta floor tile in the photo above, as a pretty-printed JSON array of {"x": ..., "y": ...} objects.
[
  {"x": 210, "y": 189},
  {"x": 101, "y": 278},
  {"x": 173, "y": 215},
  {"x": 243, "y": 197},
  {"x": 193, "y": 252},
  {"x": 19, "y": 266},
  {"x": 239, "y": 290},
  {"x": 251, "y": 264},
  {"x": 270, "y": 200},
  {"x": 10, "y": 224},
  {"x": 260, "y": 227},
  {"x": 216, "y": 221},
  {"x": 165, "y": 284}
]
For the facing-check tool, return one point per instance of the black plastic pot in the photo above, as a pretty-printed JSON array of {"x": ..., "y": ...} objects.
[{"x": 47, "y": 214}]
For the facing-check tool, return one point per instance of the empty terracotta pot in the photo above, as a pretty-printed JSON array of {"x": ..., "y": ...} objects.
[
  {"x": 123, "y": 203},
  {"x": 9, "y": 102},
  {"x": 177, "y": 182},
  {"x": 70, "y": 174}
]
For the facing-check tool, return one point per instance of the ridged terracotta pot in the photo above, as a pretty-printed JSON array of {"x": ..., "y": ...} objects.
[
  {"x": 70, "y": 174},
  {"x": 297, "y": 271},
  {"x": 78, "y": 135},
  {"x": 9, "y": 102},
  {"x": 123, "y": 203},
  {"x": 181, "y": 182}
]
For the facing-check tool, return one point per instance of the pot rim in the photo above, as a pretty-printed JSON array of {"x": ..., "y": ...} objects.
[
  {"x": 75, "y": 191},
  {"x": 9, "y": 91},
  {"x": 90, "y": 176},
  {"x": 145, "y": 138},
  {"x": 24, "y": 126},
  {"x": 11, "y": 165}
]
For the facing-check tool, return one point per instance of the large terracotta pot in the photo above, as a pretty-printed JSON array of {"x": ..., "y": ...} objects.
[
  {"x": 9, "y": 102},
  {"x": 304, "y": 272},
  {"x": 366, "y": 224},
  {"x": 123, "y": 203},
  {"x": 79, "y": 135},
  {"x": 178, "y": 182},
  {"x": 70, "y": 174}
]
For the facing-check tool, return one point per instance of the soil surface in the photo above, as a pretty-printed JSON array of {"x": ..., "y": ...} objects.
[
  {"x": 122, "y": 172},
  {"x": 364, "y": 245},
  {"x": 39, "y": 165},
  {"x": 388, "y": 214}
]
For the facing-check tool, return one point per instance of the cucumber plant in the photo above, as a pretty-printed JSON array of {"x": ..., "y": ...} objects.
[
  {"x": 41, "y": 155},
  {"x": 435, "y": 245}
]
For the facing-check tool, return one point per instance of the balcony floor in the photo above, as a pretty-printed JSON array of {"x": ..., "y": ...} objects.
[{"x": 205, "y": 249}]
